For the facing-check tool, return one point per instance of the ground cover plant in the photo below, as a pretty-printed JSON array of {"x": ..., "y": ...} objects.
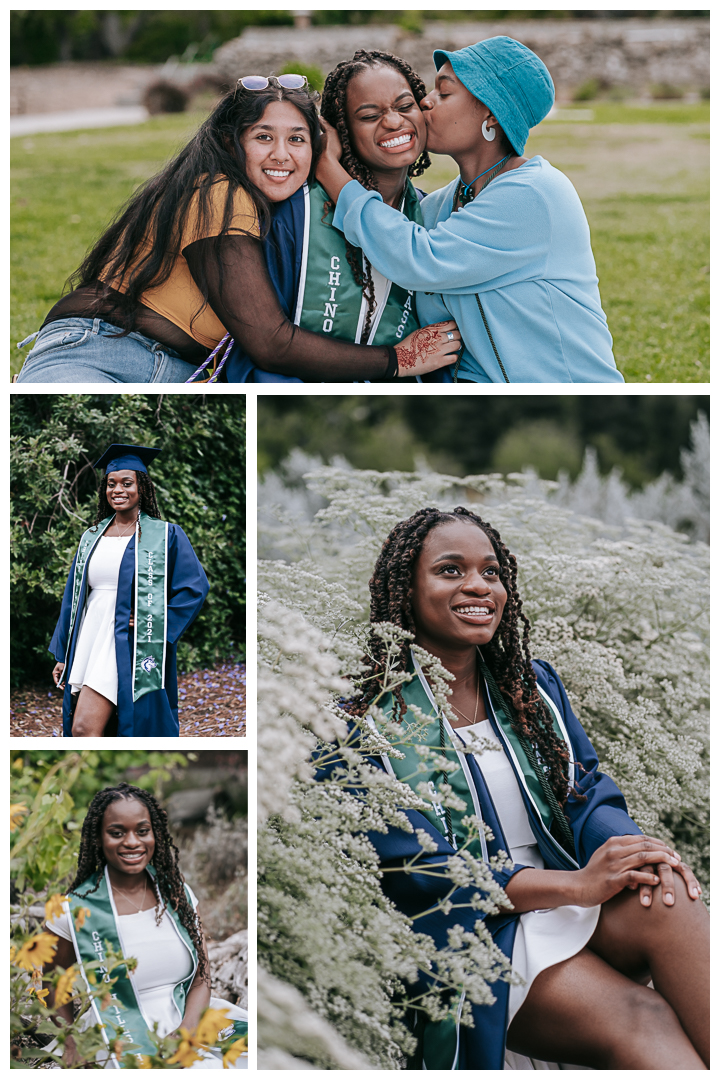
[
  {"x": 641, "y": 171},
  {"x": 602, "y": 601}
]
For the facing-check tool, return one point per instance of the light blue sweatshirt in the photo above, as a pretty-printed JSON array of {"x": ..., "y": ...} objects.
[{"x": 523, "y": 248}]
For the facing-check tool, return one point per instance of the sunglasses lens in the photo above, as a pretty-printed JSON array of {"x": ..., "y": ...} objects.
[
  {"x": 292, "y": 82},
  {"x": 254, "y": 82}
]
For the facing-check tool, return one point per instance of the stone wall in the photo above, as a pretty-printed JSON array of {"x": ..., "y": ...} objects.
[{"x": 634, "y": 53}]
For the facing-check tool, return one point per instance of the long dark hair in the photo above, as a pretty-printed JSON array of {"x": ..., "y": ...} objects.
[
  {"x": 507, "y": 655},
  {"x": 170, "y": 887},
  {"x": 147, "y": 504},
  {"x": 334, "y": 109},
  {"x": 155, "y": 212}
]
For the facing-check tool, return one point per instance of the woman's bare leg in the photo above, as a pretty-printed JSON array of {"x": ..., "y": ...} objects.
[
  {"x": 92, "y": 713},
  {"x": 584, "y": 1012},
  {"x": 672, "y": 944}
]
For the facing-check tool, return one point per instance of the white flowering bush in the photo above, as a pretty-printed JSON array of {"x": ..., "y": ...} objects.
[{"x": 621, "y": 611}]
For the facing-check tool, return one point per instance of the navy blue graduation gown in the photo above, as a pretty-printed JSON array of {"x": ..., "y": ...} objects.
[
  {"x": 155, "y": 713},
  {"x": 283, "y": 247},
  {"x": 602, "y": 814}
]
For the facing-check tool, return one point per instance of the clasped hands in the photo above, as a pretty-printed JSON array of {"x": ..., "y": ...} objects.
[{"x": 638, "y": 863}]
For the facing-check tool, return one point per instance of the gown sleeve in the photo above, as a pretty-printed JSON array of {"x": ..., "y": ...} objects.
[
  {"x": 601, "y": 811},
  {"x": 187, "y": 585},
  {"x": 58, "y": 644},
  {"x": 248, "y": 307}
]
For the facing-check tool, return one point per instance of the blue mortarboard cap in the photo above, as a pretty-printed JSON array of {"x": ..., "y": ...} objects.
[
  {"x": 121, "y": 456},
  {"x": 507, "y": 77}
]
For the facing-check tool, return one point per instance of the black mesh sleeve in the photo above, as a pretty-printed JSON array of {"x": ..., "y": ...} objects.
[{"x": 246, "y": 304}]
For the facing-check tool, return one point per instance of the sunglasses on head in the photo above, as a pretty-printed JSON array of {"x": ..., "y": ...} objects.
[{"x": 260, "y": 82}]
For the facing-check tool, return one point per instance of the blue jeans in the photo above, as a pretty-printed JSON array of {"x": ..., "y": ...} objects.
[{"x": 76, "y": 350}]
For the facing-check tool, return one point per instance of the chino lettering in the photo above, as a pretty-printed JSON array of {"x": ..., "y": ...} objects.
[{"x": 330, "y": 300}]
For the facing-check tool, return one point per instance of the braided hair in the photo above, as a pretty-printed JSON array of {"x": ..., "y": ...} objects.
[
  {"x": 147, "y": 504},
  {"x": 333, "y": 109},
  {"x": 507, "y": 655},
  {"x": 169, "y": 881}
]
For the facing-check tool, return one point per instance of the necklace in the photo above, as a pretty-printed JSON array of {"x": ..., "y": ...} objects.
[
  {"x": 116, "y": 888},
  {"x": 464, "y": 192},
  {"x": 130, "y": 526},
  {"x": 477, "y": 702}
]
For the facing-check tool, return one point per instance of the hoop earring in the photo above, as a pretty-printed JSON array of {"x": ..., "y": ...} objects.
[{"x": 488, "y": 133}]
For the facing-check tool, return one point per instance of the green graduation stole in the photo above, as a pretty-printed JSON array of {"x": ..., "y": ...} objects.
[
  {"x": 438, "y": 1040},
  {"x": 149, "y": 639},
  {"x": 91, "y": 941},
  {"x": 439, "y": 736},
  {"x": 329, "y": 299},
  {"x": 412, "y": 770},
  {"x": 150, "y": 606}
]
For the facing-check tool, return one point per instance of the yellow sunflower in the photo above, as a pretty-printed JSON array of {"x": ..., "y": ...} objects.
[
  {"x": 36, "y": 951},
  {"x": 234, "y": 1052},
  {"x": 54, "y": 906}
]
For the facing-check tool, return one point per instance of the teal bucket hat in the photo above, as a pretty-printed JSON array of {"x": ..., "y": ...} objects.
[{"x": 507, "y": 77}]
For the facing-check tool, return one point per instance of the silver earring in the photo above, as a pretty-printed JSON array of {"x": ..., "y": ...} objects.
[{"x": 488, "y": 133}]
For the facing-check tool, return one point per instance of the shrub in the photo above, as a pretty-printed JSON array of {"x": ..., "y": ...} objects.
[
  {"x": 165, "y": 97},
  {"x": 588, "y": 91},
  {"x": 666, "y": 92}
]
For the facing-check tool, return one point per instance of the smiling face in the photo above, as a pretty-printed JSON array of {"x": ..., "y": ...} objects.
[
  {"x": 385, "y": 123},
  {"x": 122, "y": 490},
  {"x": 127, "y": 837},
  {"x": 453, "y": 115},
  {"x": 457, "y": 597},
  {"x": 278, "y": 151}
]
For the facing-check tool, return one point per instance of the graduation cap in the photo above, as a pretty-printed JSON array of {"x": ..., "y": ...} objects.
[{"x": 121, "y": 456}]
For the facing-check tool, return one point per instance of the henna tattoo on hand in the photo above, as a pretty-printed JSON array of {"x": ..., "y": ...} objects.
[{"x": 423, "y": 344}]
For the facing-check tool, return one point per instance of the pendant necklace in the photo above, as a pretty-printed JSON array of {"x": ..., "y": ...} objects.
[
  {"x": 130, "y": 526},
  {"x": 464, "y": 192},
  {"x": 477, "y": 702},
  {"x": 116, "y": 888}
]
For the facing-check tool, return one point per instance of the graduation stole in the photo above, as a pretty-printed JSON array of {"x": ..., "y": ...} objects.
[
  {"x": 329, "y": 299},
  {"x": 149, "y": 638},
  {"x": 91, "y": 941},
  {"x": 439, "y": 735},
  {"x": 412, "y": 769}
]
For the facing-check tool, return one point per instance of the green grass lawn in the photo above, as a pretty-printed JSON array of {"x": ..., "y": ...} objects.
[{"x": 642, "y": 173}]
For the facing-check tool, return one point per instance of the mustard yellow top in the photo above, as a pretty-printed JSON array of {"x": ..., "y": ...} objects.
[{"x": 179, "y": 298}]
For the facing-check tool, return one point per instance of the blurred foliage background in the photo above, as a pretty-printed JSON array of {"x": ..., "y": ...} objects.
[
  {"x": 42, "y": 37},
  {"x": 200, "y": 483},
  {"x": 641, "y": 435}
]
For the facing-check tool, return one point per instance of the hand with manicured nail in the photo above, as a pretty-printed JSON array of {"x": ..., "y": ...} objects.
[
  {"x": 664, "y": 871},
  {"x": 632, "y": 862}
]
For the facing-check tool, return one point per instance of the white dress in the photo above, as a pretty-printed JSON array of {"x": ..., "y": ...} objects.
[
  {"x": 543, "y": 937},
  {"x": 94, "y": 663}
]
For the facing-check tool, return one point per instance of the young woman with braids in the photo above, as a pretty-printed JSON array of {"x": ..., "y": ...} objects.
[
  {"x": 134, "y": 588},
  {"x": 598, "y": 909},
  {"x": 505, "y": 247},
  {"x": 324, "y": 284},
  {"x": 183, "y": 266},
  {"x": 129, "y": 884}
]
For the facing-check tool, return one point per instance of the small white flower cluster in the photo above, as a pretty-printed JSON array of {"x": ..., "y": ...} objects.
[{"x": 621, "y": 611}]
